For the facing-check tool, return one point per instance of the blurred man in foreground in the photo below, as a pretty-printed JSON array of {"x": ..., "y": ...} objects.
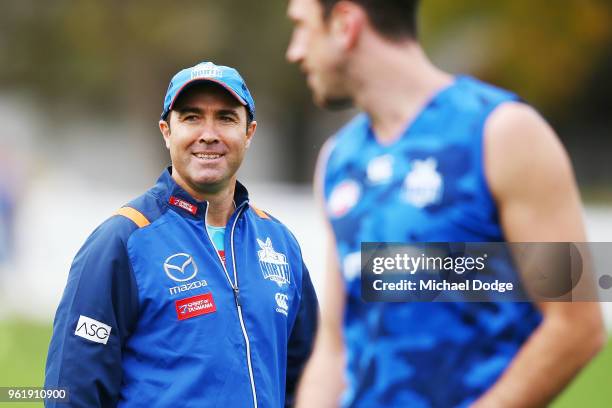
[
  {"x": 433, "y": 157},
  {"x": 189, "y": 296}
]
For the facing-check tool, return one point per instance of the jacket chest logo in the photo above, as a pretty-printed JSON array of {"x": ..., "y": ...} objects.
[
  {"x": 180, "y": 267},
  {"x": 281, "y": 303},
  {"x": 273, "y": 264}
]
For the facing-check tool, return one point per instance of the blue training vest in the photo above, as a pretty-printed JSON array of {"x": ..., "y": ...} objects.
[{"x": 428, "y": 186}]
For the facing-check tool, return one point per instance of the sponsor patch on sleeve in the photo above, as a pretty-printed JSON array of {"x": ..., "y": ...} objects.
[
  {"x": 92, "y": 330},
  {"x": 195, "y": 306}
]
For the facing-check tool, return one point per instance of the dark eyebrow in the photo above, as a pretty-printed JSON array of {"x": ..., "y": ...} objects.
[
  {"x": 232, "y": 112},
  {"x": 188, "y": 109}
]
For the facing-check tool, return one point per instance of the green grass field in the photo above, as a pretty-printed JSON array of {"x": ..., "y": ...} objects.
[{"x": 23, "y": 349}]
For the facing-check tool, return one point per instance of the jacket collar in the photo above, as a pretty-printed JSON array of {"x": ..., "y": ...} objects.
[{"x": 176, "y": 197}]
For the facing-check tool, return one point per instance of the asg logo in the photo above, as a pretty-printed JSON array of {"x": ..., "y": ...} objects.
[
  {"x": 180, "y": 267},
  {"x": 93, "y": 330},
  {"x": 281, "y": 302}
]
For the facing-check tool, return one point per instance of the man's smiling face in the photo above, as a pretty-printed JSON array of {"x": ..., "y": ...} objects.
[{"x": 207, "y": 136}]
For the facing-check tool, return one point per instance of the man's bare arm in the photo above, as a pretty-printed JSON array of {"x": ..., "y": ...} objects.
[
  {"x": 323, "y": 380},
  {"x": 532, "y": 181}
]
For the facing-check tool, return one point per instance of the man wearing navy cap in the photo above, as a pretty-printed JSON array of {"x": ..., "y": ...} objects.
[{"x": 189, "y": 295}]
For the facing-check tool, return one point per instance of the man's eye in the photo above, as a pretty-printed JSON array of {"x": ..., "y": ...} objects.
[{"x": 227, "y": 119}]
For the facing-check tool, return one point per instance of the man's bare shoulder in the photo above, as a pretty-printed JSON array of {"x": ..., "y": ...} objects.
[
  {"x": 522, "y": 150},
  {"x": 510, "y": 118}
]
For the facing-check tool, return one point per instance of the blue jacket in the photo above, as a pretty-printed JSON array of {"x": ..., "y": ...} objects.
[{"x": 152, "y": 317}]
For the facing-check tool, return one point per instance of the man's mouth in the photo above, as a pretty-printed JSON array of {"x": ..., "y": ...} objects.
[{"x": 207, "y": 156}]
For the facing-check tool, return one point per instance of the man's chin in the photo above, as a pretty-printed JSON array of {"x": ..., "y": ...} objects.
[
  {"x": 209, "y": 184},
  {"x": 333, "y": 102}
]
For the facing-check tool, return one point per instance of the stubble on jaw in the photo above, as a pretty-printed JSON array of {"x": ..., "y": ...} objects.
[{"x": 336, "y": 103}]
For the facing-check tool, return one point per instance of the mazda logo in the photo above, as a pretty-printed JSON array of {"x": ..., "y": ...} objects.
[{"x": 180, "y": 267}]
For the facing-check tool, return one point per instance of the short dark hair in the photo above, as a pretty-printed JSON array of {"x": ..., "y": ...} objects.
[{"x": 393, "y": 19}]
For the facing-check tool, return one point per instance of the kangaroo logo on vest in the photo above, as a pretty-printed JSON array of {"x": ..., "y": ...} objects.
[
  {"x": 273, "y": 264},
  {"x": 423, "y": 185}
]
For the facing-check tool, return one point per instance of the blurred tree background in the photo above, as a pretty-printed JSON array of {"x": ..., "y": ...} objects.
[{"x": 113, "y": 59}]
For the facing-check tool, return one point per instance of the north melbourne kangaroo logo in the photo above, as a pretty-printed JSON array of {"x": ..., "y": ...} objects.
[
  {"x": 273, "y": 264},
  {"x": 424, "y": 185}
]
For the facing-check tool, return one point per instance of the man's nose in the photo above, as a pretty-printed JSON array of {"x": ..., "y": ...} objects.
[
  {"x": 208, "y": 134},
  {"x": 294, "y": 51}
]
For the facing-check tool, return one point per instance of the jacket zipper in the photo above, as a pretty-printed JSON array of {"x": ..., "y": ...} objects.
[{"x": 236, "y": 290}]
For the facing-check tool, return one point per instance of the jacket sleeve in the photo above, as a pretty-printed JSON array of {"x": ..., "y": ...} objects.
[
  {"x": 97, "y": 312},
  {"x": 302, "y": 336}
]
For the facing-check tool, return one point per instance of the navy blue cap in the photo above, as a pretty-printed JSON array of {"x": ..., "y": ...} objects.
[{"x": 227, "y": 77}]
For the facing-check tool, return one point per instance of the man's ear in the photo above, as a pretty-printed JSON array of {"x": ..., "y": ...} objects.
[
  {"x": 164, "y": 128},
  {"x": 346, "y": 21},
  {"x": 250, "y": 133}
]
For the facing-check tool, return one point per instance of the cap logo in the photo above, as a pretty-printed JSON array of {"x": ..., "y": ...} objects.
[{"x": 207, "y": 70}]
